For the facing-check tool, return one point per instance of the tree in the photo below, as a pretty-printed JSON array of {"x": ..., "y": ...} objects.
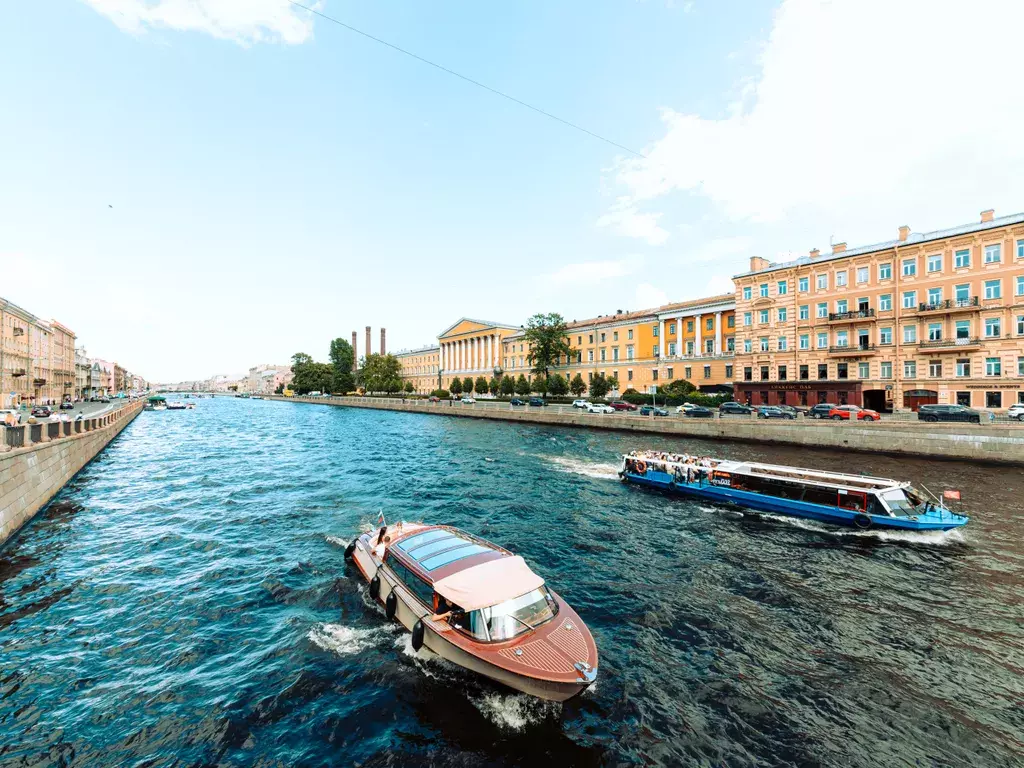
[
  {"x": 547, "y": 336},
  {"x": 578, "y": 385},
  {"x": 522, "y": 386},
  {"x": 494, "y": 385},
  {"x": 557, "y": 385},
  {"x": 539, "y": 384},
  {"x": 480, "y": 385},
  {"x": 300, "y": 359},
  {"x": 342, "y": 358},
  {"x": 381, "y": 373},
  {"x": 508, "y": 386},
  {"x": 456, "y": 386},
  {"x": 467, "y": 385},
  {"x": 279, "y": 390},
  {"x": 677, "y": 388},
  {"x": 409, "y": 388},
  {"x": 613, "y": 382},
  {"x": 599, "y": 386}
]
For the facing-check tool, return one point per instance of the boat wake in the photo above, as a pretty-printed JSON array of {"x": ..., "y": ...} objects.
[
  {"x": 585, "y": 468},
  {"x": 953, "y": 537},
  {"x": 344, "y": 641},
  {"x": 515, "y": 711}
]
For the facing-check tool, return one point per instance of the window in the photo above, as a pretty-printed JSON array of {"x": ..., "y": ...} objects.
[
  {"x": 822, "y": 371},
  {"x": 615, "y": 335},
  {"x": 805, "y": 341},
  {"x": 764, "y": 343},
  {"x": 423, "y": 591},
  {"x": 963, "y": 368},
  {"x": 748, "y": 318},
  {"x": 689, "y": 326},
  {"x": 842, "y": 306},
  {"x": 910, "y": 369},
  {"x": 841, "y": 279},
  {"x": 654, "y": 374},
  {"x": 730, "y": 345},
  {"x": 655, "y": 351},
  {"x": 993, "y": 399},
  {"x": 885, "y": 302},
  {"x": 1020, "y": 366},
  {"x": 615, "y": 354},
  {"x": 863, "y": 370},
  {"x": 783, "y": 373},
  {"x": 689, "y": 347},
  {"x": 671, "y": 350},
  {"x": 842, "y": 339},
  {"x": 842, "y": 370},
  {"x": 935, "y": 263},
  {"x": 962, "y": 259},
  {"x": 885, "y": 271},
  {"x": 803, "y": 284},
  {"x": 707, "y": 371},
  {"x": 763, "y": 290},
  {"x": 823, "y": 309},
  {"x": 731, "y": 322},
  {"x": 603, "y": 337},
  {"x": 909, "y": 334},
  {"x": 993, "y": 289},
  {"x": 783, "y": 313},
  {"x": 935, "y": 369},
  {"x": 862, "y": 274},
  {"x": 993, "y": 366},
  {"x": 728, "y": 372},
  {"x": 804, "y": 374},
  {"x": 992, "y": 327},
  {"x": 783, "y": 344},
  {"x": 885, "y": 370},
  {"x": 748, "y": 374},
  {"x": 669, "y": 373},
  {"x": 962, "y": 294},
  {"x": 671, "y": 329},
  {"x": 687, "y": 373},
  {"x": 993, "y": 253},
  {"x": 822, "y": 340},
  {"x": 1020, "y": 325},
  {"x": 822, "y": 282},
  {"x": 590, "y": 355},
  {"x": 763, "y": 316},
  {"x": 710, "y": 324},
  {"x": 1020, "y": 249},
  {"x": 590, "y": 338},
  {"x": 805, "y": 311},
  {"x": 1020, "y": 285},
  {"x": 934, "y": 296},
  {"x": 629, "y": 374},
  {"x": 885, "y": 335},
  {"x": 629, "y": 334},
  {"x": 909, "y": 267},
  {"x": 783, "y": 288},
  {"x": 963, "y": 329},
  {"x": 746, "y": 293},
  {"x": 629, "y": 351},
  {"x": 655, "y": 328},
  {"x": 602, "y": 356},
  {"x": 748, "y": 346},
  {"x": 910, "y": 299},
  {"x": 934, "y": 331}
]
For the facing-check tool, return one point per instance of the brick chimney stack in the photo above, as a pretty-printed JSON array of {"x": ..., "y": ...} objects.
[
  {"x": 383, "y": 346},
  {"x": 355, "y": 352},
  {"x": 757, "y": 263},
  {"x": 988, "y": 215},
  {"x": 838, "y": 247},
  {"x": 904, "y": 233},
  {"x": 815, "y": 253},
  {"x": 368, "y": 353}
]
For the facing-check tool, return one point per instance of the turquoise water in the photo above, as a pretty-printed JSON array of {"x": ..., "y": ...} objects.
[{"x": 186, "y": 602}]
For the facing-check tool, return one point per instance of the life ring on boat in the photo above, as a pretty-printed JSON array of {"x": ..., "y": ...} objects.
[
  {"x": 862, "y": 521},
  {"x": 417, "y": 635},
  {"x": 375, "y": 587},
  {"x": 640, "y": 467},
  {"x": 391, "y": 605},
  {"x": 350, "y": 549}
]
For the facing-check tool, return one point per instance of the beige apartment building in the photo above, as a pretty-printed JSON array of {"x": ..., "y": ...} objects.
[
  {"x": 37, "y": 358},
  {"x": 936, "y": 317},
  {"x": 421, "y": 367}
]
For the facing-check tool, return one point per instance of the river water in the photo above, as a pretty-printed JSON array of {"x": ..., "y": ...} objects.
[{"x": 187, "y": 603}]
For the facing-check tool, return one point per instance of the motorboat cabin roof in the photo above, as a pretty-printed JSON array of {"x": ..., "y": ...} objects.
[
  {"x": 468, "y": 571},
  {"x": 832, "y": 479}
]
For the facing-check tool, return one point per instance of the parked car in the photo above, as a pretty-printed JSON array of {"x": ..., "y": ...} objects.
[
  {"x": 599, "y": 408},
  {"x": 622, "y": 405},
  {"x": 950, "y": 413},
  {"x": 42, "y": 411},
  {"x": 67, "y": 405},
  {"x": 468, "y": 399},
  {"x": 699, "y": 412},
  {"x": 773, "y": 412},
  {"x": 654, "y": 410},
  {"x": 821, "y": 410},
  {"x": 848, "y": 412},
  {"x": 1016, "y": 411},
  {"x": 734, "y": 407},
  {"x": 516, "y": 401},
  {"x": 104, "y": 400},
  {"x": 685, "y": 407},
  {"x": 796, "y": 410},
  {"x": 3, "y": 415},
  {"x": 434, "y": 399},
  {"x": 581, "y": 403},
  {"x": 537, "y": 401}
]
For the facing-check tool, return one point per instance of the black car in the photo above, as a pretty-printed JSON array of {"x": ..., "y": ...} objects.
[
  {"x": 950, "y": 413},
  {"x": 67, "y": 405},
  {"x": 42, "y": 411},
  {"x": 648, "y": 410},
  {"x": 539, "y": 401},
  {"x": 734, "y": 407},
  {"x": 516, "y": 401},
  {"x": 821, "y": 410},
  {"x": 698, "y": 412}
]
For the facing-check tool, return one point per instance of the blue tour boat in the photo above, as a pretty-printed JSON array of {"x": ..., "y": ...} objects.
[{"x": 831, "y": 497}]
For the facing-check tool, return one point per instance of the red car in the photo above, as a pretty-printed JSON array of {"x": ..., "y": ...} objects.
[
  {"x": 622, "y": 405},
  {"x": 853, "y": 412},
  {"x": 435, "y": 399}
]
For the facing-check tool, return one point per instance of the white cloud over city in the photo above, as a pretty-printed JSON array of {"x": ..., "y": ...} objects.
[{"x": 243, "y": 21}]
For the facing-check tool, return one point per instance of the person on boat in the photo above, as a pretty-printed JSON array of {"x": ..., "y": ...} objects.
[{"x": 445, "y": 610}]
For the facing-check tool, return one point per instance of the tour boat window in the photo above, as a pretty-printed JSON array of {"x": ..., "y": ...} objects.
[
  {"x": 435, "y": 562},
  {"x": 513, "y": 617},
  {"x": 898, "y": 502},
  {"x": 423, "y": 538}
]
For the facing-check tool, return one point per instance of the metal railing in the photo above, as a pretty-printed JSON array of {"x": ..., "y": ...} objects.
[
  {"x": 951, "y": 343},
  {"x": 937, "y": 306},
  {"x": 14, "y": 437},
  {"x": 852, "y": 348},
  {"x": 855, "y": 314}
]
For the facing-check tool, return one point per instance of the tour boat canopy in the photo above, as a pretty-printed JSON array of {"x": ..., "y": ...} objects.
[
  {"x": 489, "y": 583},
  {"x": 157, "y": 399}
]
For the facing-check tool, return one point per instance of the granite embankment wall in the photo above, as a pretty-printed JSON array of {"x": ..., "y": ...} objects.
[
  {"x": 45, "y": 456},
  {"x": 1002, "y": 444}
]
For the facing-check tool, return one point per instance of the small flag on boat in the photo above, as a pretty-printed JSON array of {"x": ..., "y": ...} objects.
[
  {"x": 380, "y": 517},
  {"x": 951, "y": 495}
]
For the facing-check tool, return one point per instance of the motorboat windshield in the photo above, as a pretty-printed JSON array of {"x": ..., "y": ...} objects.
[
  {"x": 907, "y": 501},
  {"x": 511, "y": 618}
]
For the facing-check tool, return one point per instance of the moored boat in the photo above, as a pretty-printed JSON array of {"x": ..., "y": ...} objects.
[
  {"x": 156, "y": 403},
  {"x": 478, "y": 606},
  {"x": 176, "y": 405},
  {"x": 830, "y": 497}
]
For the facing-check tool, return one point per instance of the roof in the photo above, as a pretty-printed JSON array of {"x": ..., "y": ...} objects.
[
  {"x": 417, "y": 351},
  {"x": 914, "y": 239},
  {"x": 489, "y": 583},
  {"x": 481, "y": 322}
]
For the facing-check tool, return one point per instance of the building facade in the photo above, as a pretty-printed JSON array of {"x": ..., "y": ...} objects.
[
  {"x": 421, "y": 367},
  {"x": 37, "y": 358},
  {"x": 936, "y": 317},
  {"x": 472, "y": 348}
]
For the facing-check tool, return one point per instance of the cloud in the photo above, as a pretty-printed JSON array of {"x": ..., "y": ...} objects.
[
  {"x": 590, "y": 272},
  {"x": 627, "y": 220},
  {"x": 649, "y": 296},
  {"x": 243, "y": 21},
  {"x": 721, "y": 248},
  {"x": 858, "y": 108}
]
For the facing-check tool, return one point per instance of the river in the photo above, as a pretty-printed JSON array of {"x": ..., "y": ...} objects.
[{"x": 186, "y": 602}]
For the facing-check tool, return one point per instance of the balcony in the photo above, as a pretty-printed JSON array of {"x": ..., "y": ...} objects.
[
  {"x": 951, "y": 345},
  {"x": 951, "y": 305},
  {"x": 39, "y": 382},
  {"x": 857, "y": 350},
  {"x": 19, "y": 331},
  {"x": 18, "y": 372},
  {"x": 847, "y": 317}
]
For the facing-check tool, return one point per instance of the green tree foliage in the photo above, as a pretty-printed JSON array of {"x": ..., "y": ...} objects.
[
  {"x": 522, "y": 386},
  {"x": 557, "y": 385},
  {"x": 279, "y": 390},
  {"x": 381, "y": 373},
  {"x": 677, "y": 388},
  {"x": 441, "y": 394},
  {"x": 480, "y": 385},
  {"x": 539, "y": 384},
  {"x": 308, "y": 376},
  {"x": 300, "y": 359},
  {"x": 494, "y": 385},
  {"x": 613, "y": 382},
  {"x": 342, "y": 359},
  {"x": 578, "y": 386},
  {"x": 467, "y": 385},
  {"x": 409, "y": 387},
  {"x": 599, "y": 386},
  {"x": 508, "y": 386},
  {"x": 456, "y": 386},
  {"x": 546, "y": 335}
]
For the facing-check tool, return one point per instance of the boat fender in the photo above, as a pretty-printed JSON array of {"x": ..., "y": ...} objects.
[
  {"x": 417, "y": 635},
  {"x": 350, "y": 549},
  {"x": 391, "y": 605},
  {"x": 862, "y": 521},
  {"x": 375, "y": 587}
]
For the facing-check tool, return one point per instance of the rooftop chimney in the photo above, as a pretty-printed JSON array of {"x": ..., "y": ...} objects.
[
  {"x": 904, "y": 233},
  {"x": 383, "y": 334},
  {"x": 757, "y": 264},
  {"x": 815, "y": 253},
  {"x": 355, "y": 352},
  {"x": 368, "y": 341},
  {"x": 838, "y": 247},
  {"x": 988, "y": 215}
]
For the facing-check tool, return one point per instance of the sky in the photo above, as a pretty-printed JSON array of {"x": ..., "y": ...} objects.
[{"x": 198, "y": 186}]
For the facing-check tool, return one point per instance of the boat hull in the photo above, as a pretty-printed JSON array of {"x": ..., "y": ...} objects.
[
  {"x": 788, "y": 507},
  {"x": 409, "y": 612}
]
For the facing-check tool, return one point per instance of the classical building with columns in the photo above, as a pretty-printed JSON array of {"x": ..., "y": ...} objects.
[{"x": 472, "y": 348}]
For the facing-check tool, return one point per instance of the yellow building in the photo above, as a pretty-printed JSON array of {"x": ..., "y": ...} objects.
[
  {"x": 420, "y": 366},
  {"x": 472, "y": 348}
]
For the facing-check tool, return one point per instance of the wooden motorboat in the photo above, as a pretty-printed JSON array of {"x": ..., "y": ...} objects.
[{"x": 478, "y": 606}]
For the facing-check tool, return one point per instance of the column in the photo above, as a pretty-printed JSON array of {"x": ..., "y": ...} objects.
[
  {"x": 472, "y": 354},
  {"x": 443, "y": 360},
  {"x": 490, "y": 351},
  {"x": 662, "y": 341},
  {"x": 460, "y": 355},
  {"x": 718, "y": 333},
  {"x": 698, "y": 345}
]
